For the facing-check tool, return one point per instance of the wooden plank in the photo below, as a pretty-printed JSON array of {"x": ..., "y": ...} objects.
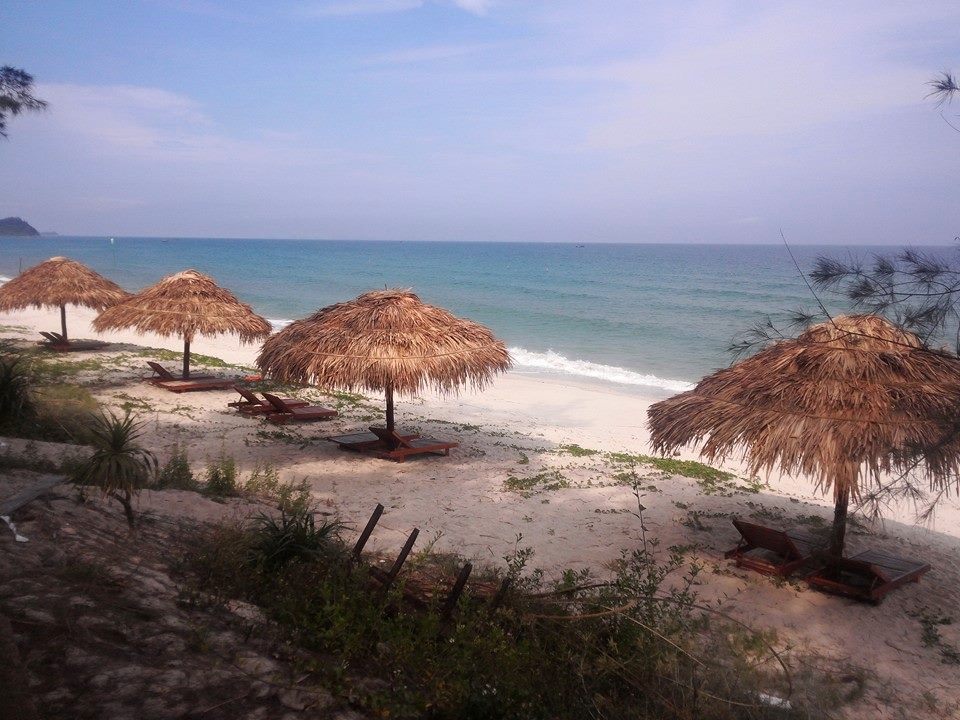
[
  {"x": 404, "y": 552},
  {"x": 367, "y": 531},
  {"x": 11, "y": 505},
  {"x": 451, "y": 602}
]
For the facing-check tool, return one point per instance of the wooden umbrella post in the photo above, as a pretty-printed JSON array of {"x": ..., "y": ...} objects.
[
  {"x": 839, "y": 523},
  {"x": 63, "y": 321},
  {"x": 389, "y": 394},
  {"x": 186, "y": 358}
]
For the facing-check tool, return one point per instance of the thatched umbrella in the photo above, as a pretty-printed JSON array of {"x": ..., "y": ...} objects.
[
  {"x": 59, "y": 282},
  {"x": 389, "y": 341},
  {"x": 843, "y": 403},
  {"x": 186, "y": 305}
]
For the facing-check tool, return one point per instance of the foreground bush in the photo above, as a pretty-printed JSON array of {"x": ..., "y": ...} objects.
[
  {"x": 119, "y": 466},
  {"x": 637, "y": 646},
  {"x": 16, "y": 400}
]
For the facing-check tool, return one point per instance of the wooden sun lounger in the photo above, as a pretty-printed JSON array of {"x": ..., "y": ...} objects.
[
  {"x": 253, "y": 405},
  {"x": 162, "y": 375},
  {"x": 399, "y": 447},
  {"x": 362, "y": 441},
  {"x": 195, "y": 384},
  {"x": 52, "y": 338},
  {"x": 868, "y": 576},
  {"x": 54, "y": 341},
  {"x": 769, "y": 551},
  {"x": 284, "y": 412}
]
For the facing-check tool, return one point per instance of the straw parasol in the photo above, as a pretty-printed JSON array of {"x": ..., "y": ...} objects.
[
  {"x": 844, "y": 402},
  {"x": 389, "y": 341},
  {"x": 186, "y": 304},
  {"x": 59, "y": 282}
]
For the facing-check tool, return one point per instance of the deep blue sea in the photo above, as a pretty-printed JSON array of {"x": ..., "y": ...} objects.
[{"x": 649, "y": 316}]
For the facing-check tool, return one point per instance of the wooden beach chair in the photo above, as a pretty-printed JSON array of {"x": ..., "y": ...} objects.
[
  {"x": 54, "y": 341},
  {"x": 769, "y": 551},
  {"x": 361, "y": 441},
  {"x": 398, "y": 447},
  {"x": 868, "y": 576},
  {"x": 161, "y": 374},
  {"x": 253, "y": 405},
  {"x": 195, "y": 384},
  {"x": 284, "y": 412}
]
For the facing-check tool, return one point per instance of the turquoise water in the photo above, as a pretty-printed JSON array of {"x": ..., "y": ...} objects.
[{"x": 652, "y": 316}]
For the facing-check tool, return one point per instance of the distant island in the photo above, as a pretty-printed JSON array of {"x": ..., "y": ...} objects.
[{"x": 17, "y": 227}]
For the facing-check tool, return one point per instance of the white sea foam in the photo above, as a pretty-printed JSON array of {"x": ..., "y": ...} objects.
[
  {"x": 279, "y": 323},
  {"x": 555, "y": 362},
  {"x": 4, "y": 278}
]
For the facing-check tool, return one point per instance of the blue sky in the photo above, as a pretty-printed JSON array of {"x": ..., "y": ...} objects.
[{"x": 507, "y": 120}]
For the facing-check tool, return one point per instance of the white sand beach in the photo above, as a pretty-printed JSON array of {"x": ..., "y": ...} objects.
[{"x": 575, "y": 511}]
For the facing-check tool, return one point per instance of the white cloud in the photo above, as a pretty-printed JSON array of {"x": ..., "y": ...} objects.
[
  {"x": 426, "y": 54},
  {"x": 346, "y": 8},
  {"x": 477, "y": 7},
  {"x": 361, "y": 7}
]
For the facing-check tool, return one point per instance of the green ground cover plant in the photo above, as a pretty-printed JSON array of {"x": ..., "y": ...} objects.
[{"x": 639, "y": 645}]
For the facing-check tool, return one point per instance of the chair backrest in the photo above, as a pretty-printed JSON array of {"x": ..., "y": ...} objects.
[
  {"x": 247, "y": 395},
  {"x": 390, "y": 437},
  {"x": 278, "y": 404},
  {"x": 160, "y": 370},
  {"x": 766, "y": 538}
]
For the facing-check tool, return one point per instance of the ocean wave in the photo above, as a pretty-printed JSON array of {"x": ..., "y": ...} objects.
[
  {"x": 4, "y": 278},
  {"x": 556, "y": 362},
  {"x": 279, "y": 323}
]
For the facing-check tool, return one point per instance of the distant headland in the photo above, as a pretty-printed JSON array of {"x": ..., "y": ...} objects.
[{"x": 17, "y": 227}]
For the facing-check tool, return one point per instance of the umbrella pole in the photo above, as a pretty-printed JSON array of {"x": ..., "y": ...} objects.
[
  {"x": 389, "y": 394},
  {"x": 63, "y": 322},
  {"x": 186, "y": 358},
  {"x": 839, "y": 523}
]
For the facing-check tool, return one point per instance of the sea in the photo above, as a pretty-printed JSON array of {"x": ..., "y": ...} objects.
[{"x": 647, "y": 317}]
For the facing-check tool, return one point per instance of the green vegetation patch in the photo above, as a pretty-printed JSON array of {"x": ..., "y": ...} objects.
[
  {"x": 576, "y": 450},
  {"x": 687, "y": 468},
  {"x": 636, "y": 647},
  {"x": 543, "y": 481}
]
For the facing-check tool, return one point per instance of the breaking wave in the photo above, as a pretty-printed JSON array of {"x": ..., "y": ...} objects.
[{"x": 555, "y": 362}]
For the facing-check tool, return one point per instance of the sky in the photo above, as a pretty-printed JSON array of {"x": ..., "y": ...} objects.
[{"x": 486, "y": 120}]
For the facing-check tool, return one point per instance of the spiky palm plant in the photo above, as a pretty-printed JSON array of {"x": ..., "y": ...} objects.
[
  {"x": 16, "y": 403},
  {"x": 119, "y": 466}
]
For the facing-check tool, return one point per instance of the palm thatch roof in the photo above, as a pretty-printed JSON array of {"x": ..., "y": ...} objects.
[
  {"x": 384, "y": 340},
  {"x": 845, "y": 401},
  {"x": 57, "y": 282},
  {"x": 186, "y": 304}
]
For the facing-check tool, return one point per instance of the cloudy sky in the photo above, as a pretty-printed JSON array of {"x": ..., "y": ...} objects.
[{"x": 530, "y": 120}]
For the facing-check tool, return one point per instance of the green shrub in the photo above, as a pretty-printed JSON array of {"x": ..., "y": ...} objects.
[
  {"x": 294, "y": 536},
  {"x": 16, "y": 401},
  {"x": 176, "y": 473},
  {"x": 222, "y": 477},
  {"x": 119, "y": 466},
  {"x": 634, "y": 647}
]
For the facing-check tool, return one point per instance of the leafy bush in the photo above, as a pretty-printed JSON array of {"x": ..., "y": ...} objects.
[
  {"x": 176, "y": 473},
  {"x": 119, "y": 466},
  {"x": 222, "y": 477},
  {"x": 16, "y": 401},
  {"x": 294, "y": 536},
  {"x": 637, "y": 646}
]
